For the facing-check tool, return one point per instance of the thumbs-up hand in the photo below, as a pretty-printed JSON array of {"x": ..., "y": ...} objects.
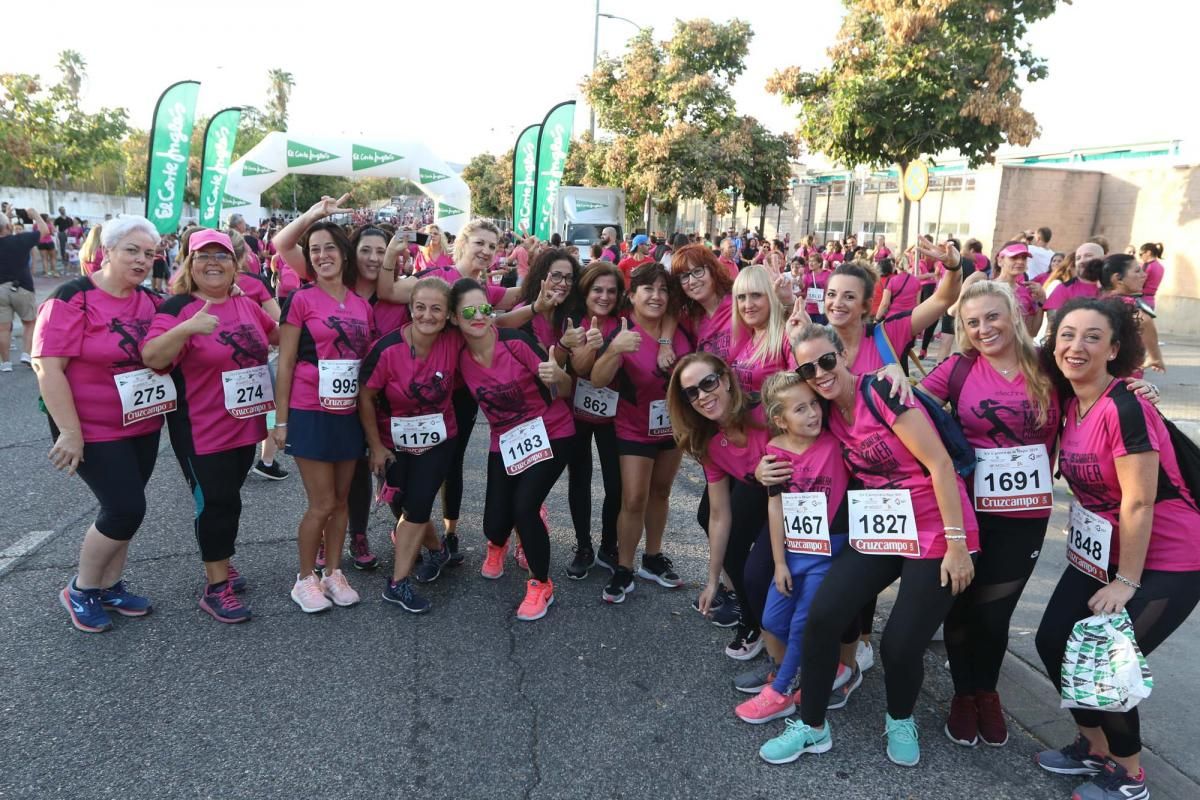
[
  {"x": 203, "y": 323},
  {"x": 594, "y": 339},
  {"x": 572, "y": 337},
  {"x": 549, "y": 372},
  {"x": 626, "y": 341}
]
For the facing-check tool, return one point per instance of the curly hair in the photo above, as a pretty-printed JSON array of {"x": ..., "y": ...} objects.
[{"x": 1122, "y": 321}]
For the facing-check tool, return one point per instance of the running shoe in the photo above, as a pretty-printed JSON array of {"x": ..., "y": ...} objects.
[
  {"x": 338, "y": 589},
  {"x": 493, "y": 561},
  {"x": 746, "y": 644},
  {"x": 607, "y": 559},
  {"x": 796, "y": 739},
  {"x": 993, "y": 730},
  {"x": 26, "y": 360},
  {"x": 962, "y": 726},
  {"x": 236, "y": 579},
  {"x": 118, "y": 598},
  {"x": 902, "y": 746},
  {"x": 864, "y": 655},
  {"x": 658, "y": 568},
  {"x": 581, "y": 564},
  {"x": 401, "y": 593},
  {"x": 519, "y": 555},
  {"x": 86, "y": 610},
  {"x": 765, "y": 706},
  {"x": 429, "y": 568},
  {"x": 272, "y": 471},
  {"x": 361, "y": 551},
  {"x": 456, "y": 558},
  {"x": 5, "y": 366},
  {"x": 755, "y": 679},
  {"x": 308, "y": 595},
  {"x": 320, "y": 561},
  {"x": 1076, "y": 758},
  {"x": 1113, "y": 783},
  {"x": 539, "y": 596},
  {"x": 222, "y": 604},
  {"x": 717, "y": 601},
  {"x": 618, "y": 586},
  {"x": 729, "y": 612},
  {"x": 849, "y": 681}
]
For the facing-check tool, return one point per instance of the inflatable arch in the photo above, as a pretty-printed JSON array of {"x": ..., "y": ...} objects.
[{"x": 281, "y": 154}]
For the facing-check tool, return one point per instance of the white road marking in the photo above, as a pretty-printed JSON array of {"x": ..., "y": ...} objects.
[{"x": 23, "y": 547}]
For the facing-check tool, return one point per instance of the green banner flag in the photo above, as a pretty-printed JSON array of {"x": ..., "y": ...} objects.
[
  {"x": 524, "y": 178},
  {"x": 301, "y": 155},
  {"x": 252, "y": 168},
  {"x": 363, "y": 157},
  {"x": 554, "y": 142},
  {"x": 170, "y": 146},
  {"x": 219, "y": 139}
]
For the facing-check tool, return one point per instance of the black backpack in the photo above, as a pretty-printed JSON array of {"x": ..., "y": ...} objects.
[{"x": 1187, "y": 455}]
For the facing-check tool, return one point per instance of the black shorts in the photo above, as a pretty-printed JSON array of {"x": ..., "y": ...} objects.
[
  {"x": 644, "y": 449},
  {"x": 161, "y": 270},
  {"x": 46, "y": 246}
]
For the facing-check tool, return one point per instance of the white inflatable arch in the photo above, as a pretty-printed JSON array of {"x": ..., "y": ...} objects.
[{"x": 281, "y": 154}]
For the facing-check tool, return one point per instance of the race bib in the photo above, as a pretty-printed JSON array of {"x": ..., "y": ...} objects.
[
  {"x": 660, "y": 420},
  {"x": 524, "y": 446},
  {"x": 338, "y": 387},
  {"x": 418, "y": 434},
  {"x": 595, "y": 401},
  {"x": 815, "y": 295},
  {"x": 1013, "y": 479},
  {"x": 1089, "y": 537},
  {"x": 248, "y": 392},
  {"x": 882, "y": 522},
  {"x": 144, "y": 394},
  {"x": 806, "y": 523}
]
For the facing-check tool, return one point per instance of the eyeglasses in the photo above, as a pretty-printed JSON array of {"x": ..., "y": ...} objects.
[
  {"x": 469, "y": 312},
  {"x": 560, "y": 277},
  {"x": 693, "y": 274},
  {"x": 708, "y": 384},
  {"x": 224, "y": 259},
  {"x": 808, "y": 370}
]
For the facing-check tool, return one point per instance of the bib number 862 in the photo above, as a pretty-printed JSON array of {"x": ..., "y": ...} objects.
[
  {"x": 525, "y": 446},
  {"x": 884, "y": 523},
  {"x": 595, "y": 405}
]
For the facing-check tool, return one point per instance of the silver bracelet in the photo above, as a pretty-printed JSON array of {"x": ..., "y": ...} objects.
[
  {"x": 1118, "y": 576},
  {"x": 962, "y": 537}
]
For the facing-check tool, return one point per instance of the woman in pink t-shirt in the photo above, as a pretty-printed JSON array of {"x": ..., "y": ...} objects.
[
  {"x": 520, "y": 391},
  {"x": 816, "y": 278},
  {"x": 105, "y": 410},
  {"x": 1124, "y": 278},
  {"x": 648, "y": 456},
  {"x": 913, "y": 521},
  {"x": 1011, "y": 264},
  {"x": 707, "y": 300},
  {"x": 214, "y": 346},
  {"x": 759, "y": 346},
  {"x": 1150, "y": 253},
  {"x": 91, "y": 253},
  {"x": 435, "y": 253},
  {"x": 326, "y": 332},
  {"x": 902, "y": 293},
  {"x": 1131, "y": 543}
]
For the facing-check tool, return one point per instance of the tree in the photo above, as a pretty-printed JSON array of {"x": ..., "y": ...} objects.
[
  {"x": 765, "y": 167},
  {"x": 280, "y": 92},
  {"x": 917, "y": 77},
  {"x": 490, "y": 180}
]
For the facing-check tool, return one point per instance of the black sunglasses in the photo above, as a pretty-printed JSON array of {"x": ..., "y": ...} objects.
[
  {"x": 708, "y": 383},
  {"x": 808, "y": 370}
]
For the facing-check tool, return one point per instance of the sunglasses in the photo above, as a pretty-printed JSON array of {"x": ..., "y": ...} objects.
[
  {"x": 808, "y": 370},
  {"x": 707, "y": 384},
  {"x": 469, "y": 312}
]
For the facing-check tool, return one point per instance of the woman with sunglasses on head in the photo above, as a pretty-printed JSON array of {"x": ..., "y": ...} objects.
[
  {"x": 520, "y": 390},
  {"x": 912, "y": 521},
  {"x": 629, "y": 360},
  {"x": 215, "y": 346},
  {"x": 1131, "y": 544},
  {"x": 1123, "y": 277}
]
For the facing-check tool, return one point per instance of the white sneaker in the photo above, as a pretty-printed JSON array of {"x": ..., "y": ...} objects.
[
  {"x": 6, "y": 366},
  {"x": 308, "y": 595},
  {"x": 865, "y": 656},
  {"x": 338, "y": 589},
  {"x": 25, "y": 359}
]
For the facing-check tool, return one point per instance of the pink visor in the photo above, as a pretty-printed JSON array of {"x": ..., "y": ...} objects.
[{"x": 1014, "y": 249}]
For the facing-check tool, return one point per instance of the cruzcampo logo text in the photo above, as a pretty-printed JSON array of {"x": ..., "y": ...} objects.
[
  {"x": 234, "y": 202},
  {"x": 445, "y": 210},
  {"x": 300, "y": 155},
  {"x": 363, "y": 157},
  {"x": 429, "y": 176},
  {"x": 252, "y": 168},
  {"x": 588, "y": 205}
]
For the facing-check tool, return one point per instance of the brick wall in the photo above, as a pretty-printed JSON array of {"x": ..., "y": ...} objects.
[{"x": 1063, "y": 200}]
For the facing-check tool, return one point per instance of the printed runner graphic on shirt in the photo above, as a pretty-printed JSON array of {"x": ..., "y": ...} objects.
[
  {"x": 875, "y": 457},
  {"x": 246, "y": 342},
  {"x": 504, "y": 403},
  {"x": 429, "y": 396},
  {"x": 352, "y": 337},
  {"x": 132, "y": 331}
]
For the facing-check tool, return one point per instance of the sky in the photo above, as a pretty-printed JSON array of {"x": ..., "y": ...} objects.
[{"x": 468, "y": 78}]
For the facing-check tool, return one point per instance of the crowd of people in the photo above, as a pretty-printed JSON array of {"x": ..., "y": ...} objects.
[{"x": 781, "y": 369}]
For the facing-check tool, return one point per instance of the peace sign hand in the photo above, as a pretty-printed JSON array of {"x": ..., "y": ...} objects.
[
  {"x": 798, "y": 319},
  {"x": 327, "y": 206},
  {"x": 945, "y": 253}
]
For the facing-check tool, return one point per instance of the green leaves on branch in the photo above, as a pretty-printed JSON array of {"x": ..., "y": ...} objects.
[{"x": 490, "y": 180}]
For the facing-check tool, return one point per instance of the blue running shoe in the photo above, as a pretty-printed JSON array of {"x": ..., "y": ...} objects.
[
  {"x": 1114, "y": 783},
  {"x": 902, "y": 747},
  {"x": 223, "y": 605},
  {"x": 118, "y": 598},
  {"x": 456, "y": 558},
  {"x": 401, "y": 593},
  {"x": 431, "y": 565},
  {"x": 86, "y": 610},
  {"x": 1074, "y": 759},
  {"x": 236, "y": 579},
  {"x": 796, "y": 739}
]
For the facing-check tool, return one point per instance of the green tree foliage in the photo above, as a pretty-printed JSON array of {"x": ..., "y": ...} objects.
[{"x": 490, "y": 180}]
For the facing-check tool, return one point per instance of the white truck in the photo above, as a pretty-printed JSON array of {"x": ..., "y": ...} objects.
[{"x": 581, "y": 214}]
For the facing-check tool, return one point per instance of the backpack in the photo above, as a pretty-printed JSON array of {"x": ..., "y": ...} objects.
[{"x": 1187, "y": 456}]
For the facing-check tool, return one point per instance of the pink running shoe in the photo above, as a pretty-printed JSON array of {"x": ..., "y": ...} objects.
[
  {"x": 308, "y": 595},
  {"x": 765, "y": 706},
  {"x": 493, "y": 561},
  {"x": 361, "y": 551},
  {"x": 338, "y": 589},
  {"x": 539, "y": 597}
]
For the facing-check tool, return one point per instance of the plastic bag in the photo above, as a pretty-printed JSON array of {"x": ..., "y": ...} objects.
[{"x": 1103, "y": 668}]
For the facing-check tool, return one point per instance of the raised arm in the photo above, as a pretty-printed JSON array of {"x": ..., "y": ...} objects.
[
  {"x": 287, "y": 241},
  {"x": 948, "y": 288}
]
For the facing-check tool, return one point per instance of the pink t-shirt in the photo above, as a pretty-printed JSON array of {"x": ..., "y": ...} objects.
[
  {"x": 253, "y": 262},
  {"x": 811, "y": 280},
  {"x": 730, "y": 267},
  {"x": 898, "y": 328},
  {"x": 712, "y": 333},
  {"x": 97, "y": 260},
  {"x": 410, "y": 386},
  {"x": 608, "y": 326},
  {"x": 1069, "y": 290},
  {"x": 833, "y": 259},
  {"x": 906, "y": 293},
  {"x": 287, "y": 280},
  {"x": 1119, "y": 424},
  {"x": 820, "y": 468},
  {"x": 102, "y": 336},
  {"x": 1025, "y": 300},
  {"x": 930, "y": 269},
  {"x": 388, "y": 316},
  {"x": 881, "y": 254},
  {"x": 239, "y": 341},
  {"x": 877, "y": 457},
  {"x": 996, "y": 412},
  {"x": 423, "y": 262},
  {"x": 641, "y": 385},
  {"x": 509, "y": 392},
  {"x": 752, "y": 373},
  {"x": 329, "y": 330},
  {"x": 1154, "y": 276},
  {"x": 253, "y": 287},
  {"x": 727, "y": 459}
]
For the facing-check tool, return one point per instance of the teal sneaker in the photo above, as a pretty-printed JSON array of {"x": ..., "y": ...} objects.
[
  {"x": 796, "y": 739},
  {"x": 902, "y": 747}
]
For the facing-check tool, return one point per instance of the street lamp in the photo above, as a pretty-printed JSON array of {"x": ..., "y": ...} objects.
[{"x": 596, "y": 54}]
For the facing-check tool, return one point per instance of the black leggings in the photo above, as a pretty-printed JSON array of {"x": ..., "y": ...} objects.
[
  {"x": 747, "y": 531},
  {"x": 977, "y": 626},
  {"x": 853, "y": 579},
  {"x": 358, "y": 502},
  {"x": 117, "y": 473},
  {"x": 416, "y": 479},
  {"x": 515, "y": 501},
  {"x": 927, "y": 337},
  {"x": 1157, "y": 609},
  {"x": 216, "y": 482},
  {"x": 579, "y": 484},
  {"x": 465, "y": 410}
]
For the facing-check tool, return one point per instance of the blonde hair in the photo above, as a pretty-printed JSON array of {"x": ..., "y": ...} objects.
[
  {"x": 90, "y": 244},
  {"x": 1037, "y": 384},
  {"x": 475, "y": 225},
  {"x": 184, "y": 283},
  {"x": 692, "y": 430},
  {"x": 773, "y": 391},
  {"x": 239, "y": 248},
  {"x": 443, "y": 246},
  {"x": 757, "y": 279}
]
